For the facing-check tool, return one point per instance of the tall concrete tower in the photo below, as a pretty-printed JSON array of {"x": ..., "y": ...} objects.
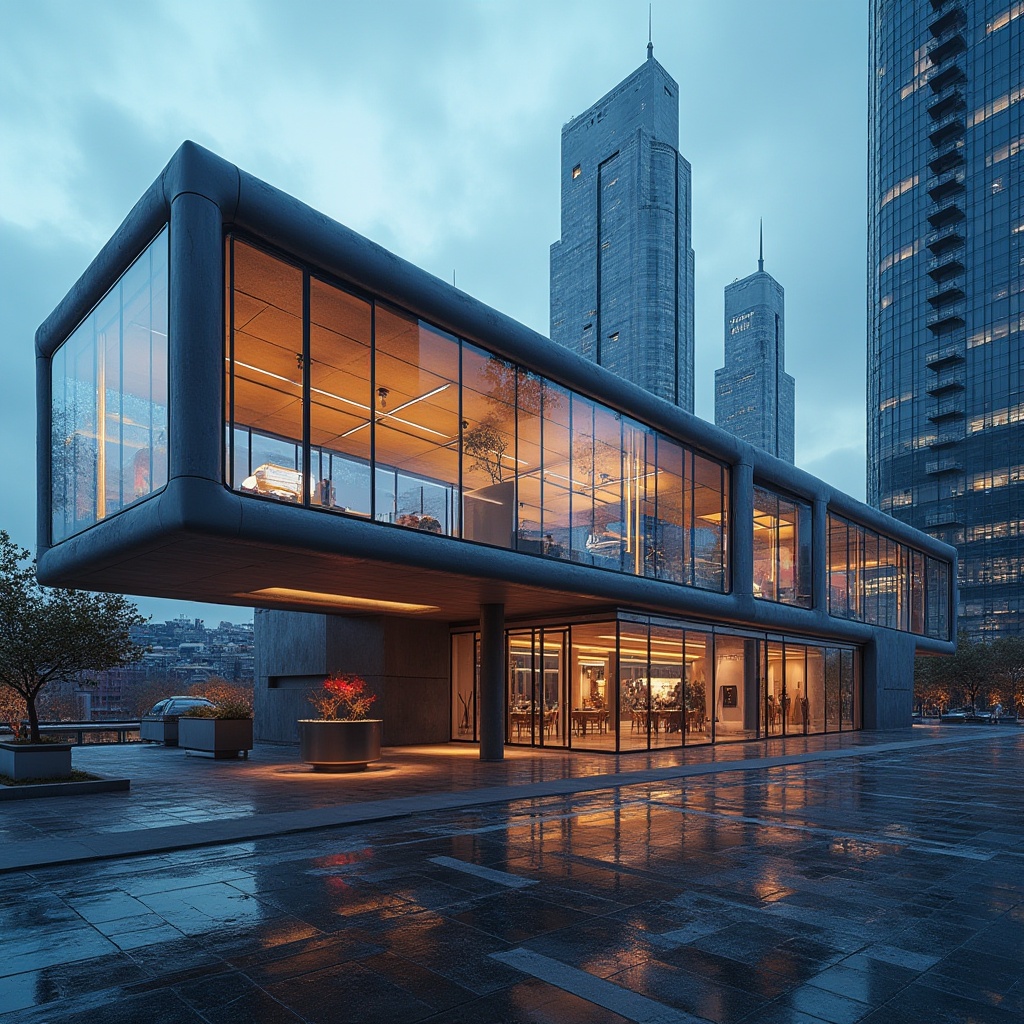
[
  {"x": 754, "y": 396},
  {"x": 622, "y": 272}
]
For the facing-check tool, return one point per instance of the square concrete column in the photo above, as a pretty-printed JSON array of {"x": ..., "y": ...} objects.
[
  {"x": 492, "y": 682},
  {"x": 741, "y": 560}
]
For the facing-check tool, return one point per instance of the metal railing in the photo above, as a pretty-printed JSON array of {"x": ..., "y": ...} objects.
[{"x": 122, "y": 732}]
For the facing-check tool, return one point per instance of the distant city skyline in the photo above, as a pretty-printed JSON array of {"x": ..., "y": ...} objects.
[{"x": 450, "y": 159}]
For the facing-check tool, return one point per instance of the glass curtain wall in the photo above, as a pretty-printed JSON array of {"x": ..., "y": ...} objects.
[
  {"x": 875, "y": 579},
  {"x": 343, "y": 403},
  {"x": 636, "y": 683},
  {"x": 109, "y": 400}
]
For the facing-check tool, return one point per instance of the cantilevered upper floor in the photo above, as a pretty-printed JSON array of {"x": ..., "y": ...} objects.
[{"x": 243, "y": 401}]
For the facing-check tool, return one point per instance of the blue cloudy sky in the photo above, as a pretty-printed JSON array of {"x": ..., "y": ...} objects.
[{"x": 432, "y": 126}]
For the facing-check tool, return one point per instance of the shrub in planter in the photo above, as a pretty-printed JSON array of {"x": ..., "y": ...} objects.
[
  {"x": 342, "y": 738},
  {"x": 224, "y": 730}
]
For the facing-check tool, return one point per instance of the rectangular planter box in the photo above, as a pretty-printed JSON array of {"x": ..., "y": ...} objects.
[
  {"x": 222, "y": 737},
  {"x": 35, "y": 760},
  {"x": 159, "y": 729}
]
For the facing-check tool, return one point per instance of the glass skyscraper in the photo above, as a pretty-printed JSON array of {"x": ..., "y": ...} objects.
[
  {"x": 754, "y": 396},
  {"x": 945, "y": 254},
  {"x": 622, "y": 272}
]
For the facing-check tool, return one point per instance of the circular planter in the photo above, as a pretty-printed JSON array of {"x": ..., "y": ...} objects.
[{"x": 339, "y": 746}]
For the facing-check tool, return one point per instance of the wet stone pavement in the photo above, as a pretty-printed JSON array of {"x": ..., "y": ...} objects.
[{"x": 883, "y": 887}]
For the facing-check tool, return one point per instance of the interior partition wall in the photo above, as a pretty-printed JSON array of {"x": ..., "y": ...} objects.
[
  {"x": 343, "y": 403},
  {"x": 636, "y": 683}
]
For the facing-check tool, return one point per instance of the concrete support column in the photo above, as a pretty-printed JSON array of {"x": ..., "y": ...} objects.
[
  {"x": 492, "y": 682},
  {"x": 819, "y": 555},
  {"x": 741, "y": 561}
]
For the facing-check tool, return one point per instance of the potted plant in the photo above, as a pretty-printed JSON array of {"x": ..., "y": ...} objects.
[{"x": 342, "y": 738}]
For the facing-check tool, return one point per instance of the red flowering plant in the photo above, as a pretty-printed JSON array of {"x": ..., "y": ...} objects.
[{"x": 344, "y": 693}]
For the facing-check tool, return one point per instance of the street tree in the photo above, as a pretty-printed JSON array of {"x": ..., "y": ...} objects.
[
  {"x": 1009, "y": 669},
  {"x": 52, "y": 635},
  {"x": 971, "y": 667}
]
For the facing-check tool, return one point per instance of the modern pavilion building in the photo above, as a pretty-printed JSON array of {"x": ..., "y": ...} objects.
[
  {"x": 945, "y": 270},
  {"x": 622, "y": 271},
  {"x": 243, "y": 401},
  {"x": 755, "y": 398}
]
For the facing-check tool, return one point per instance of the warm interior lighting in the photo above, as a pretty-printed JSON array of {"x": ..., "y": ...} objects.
[{"x": 316, "y": 597}]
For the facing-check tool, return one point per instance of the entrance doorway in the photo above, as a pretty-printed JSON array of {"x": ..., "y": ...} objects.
[{"x": 537, "y": 686}]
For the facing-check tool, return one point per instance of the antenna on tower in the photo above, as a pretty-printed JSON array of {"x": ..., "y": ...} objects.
[
  {"x": 650, "y": 44},
  {"x": 760, "y": 257}
]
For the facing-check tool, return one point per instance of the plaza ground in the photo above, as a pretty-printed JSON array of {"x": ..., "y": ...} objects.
[{"x": 866, "y": 876}]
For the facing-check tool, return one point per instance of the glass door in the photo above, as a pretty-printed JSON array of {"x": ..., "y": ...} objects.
[
  {"x": 552, "y": 729},
  {"x": 537, "y": 686}
]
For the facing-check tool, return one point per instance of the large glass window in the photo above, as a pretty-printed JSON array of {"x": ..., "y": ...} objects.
[
  {"x": 489, "y": 460},
  {"x": 875, "y": 579},
  {"x": 340, "y": 399},
  {"x": 416, "y": 439},
  {"x": 343, "y": 403},
  {"x": 265, "y": 390},
  {"x": 109, "y": 400},
  {"x": 782, "y": 548}
]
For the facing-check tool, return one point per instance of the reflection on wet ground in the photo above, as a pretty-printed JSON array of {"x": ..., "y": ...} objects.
[{"x": 886, "y": 887}]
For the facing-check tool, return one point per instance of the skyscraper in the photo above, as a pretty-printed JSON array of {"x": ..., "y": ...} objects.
[
  {"x": 945, "y": 249},
  {"x": 622, "y": 272},
  {"x": 754, "y": 396}
]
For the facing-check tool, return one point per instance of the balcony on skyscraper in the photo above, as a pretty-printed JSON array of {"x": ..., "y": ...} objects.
[
  {"x": 949, "y": 290},
  {"x": 945, "y": 355},
  {"x": 950, "y": 379},
  {"x": 947, "y": 127},
  {"x": 951, "y": 236},
  {"x": 946, "y": 317},
  {"x": 947, "y": 14},
  {"x": 950, "y": 464},
  {"x": 946, "y": 264},
  {"x": 947, "y": 44},
  {"x": 947, "y": 516},
  {"x": 948, "y": 211},
  {"x": 949, "y": 154},
  {"x": 947, "y": 100},
  {"x": 947, "y": 409}
]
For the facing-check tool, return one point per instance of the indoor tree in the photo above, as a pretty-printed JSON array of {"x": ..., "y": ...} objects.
[{"x": 53, "y": 634}]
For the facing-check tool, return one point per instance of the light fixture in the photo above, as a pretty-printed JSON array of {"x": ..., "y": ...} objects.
[
  {"x": 319, "y": 599},
  {"x": 405, "y": 405},
  {"x": 382, "y": 394}
]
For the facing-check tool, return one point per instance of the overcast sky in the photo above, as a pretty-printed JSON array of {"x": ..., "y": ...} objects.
[{"x": 433, "y": 127}]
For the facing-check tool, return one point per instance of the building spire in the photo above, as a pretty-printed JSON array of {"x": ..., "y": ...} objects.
[
  {"x": 760, "y": 256},
  {"x": 650, "y": 44}
]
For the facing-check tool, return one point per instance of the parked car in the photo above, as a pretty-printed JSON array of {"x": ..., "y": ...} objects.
[
  {"x": 160, "y": 723},
  {"x": 955, "y": 715}
]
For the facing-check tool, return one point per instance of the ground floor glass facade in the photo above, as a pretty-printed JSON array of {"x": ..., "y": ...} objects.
[{"x": 636, "y": 682}]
